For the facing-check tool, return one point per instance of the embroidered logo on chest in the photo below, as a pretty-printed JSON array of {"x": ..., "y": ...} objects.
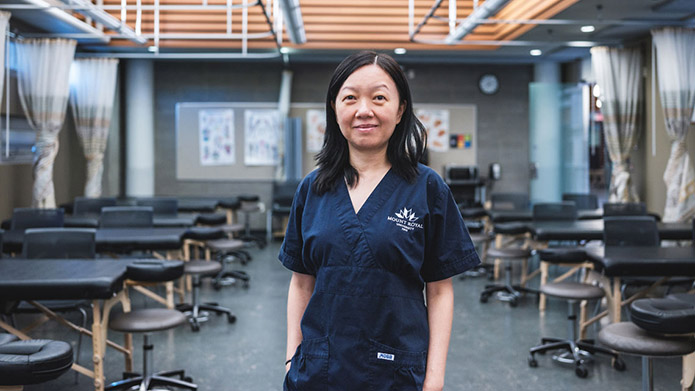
[{"x": 405, "y": 219}]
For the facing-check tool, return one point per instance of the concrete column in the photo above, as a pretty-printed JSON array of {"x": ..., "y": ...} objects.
[{"x": 139, "y": 108}]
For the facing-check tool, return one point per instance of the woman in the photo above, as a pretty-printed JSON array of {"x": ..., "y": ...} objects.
[{"x": 368, "y": 230}]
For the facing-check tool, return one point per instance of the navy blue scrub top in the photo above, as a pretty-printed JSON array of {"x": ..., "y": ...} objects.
[{"x": 365, "y": 326}]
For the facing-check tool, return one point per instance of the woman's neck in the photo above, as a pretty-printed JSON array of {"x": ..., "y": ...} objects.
[{"x": 369, "y": 162}]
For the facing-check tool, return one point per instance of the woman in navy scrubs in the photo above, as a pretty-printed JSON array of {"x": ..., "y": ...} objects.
[{"x": 369, "y": 230}]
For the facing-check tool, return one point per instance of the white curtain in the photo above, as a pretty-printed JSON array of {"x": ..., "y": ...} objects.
[
  {"x": 675, "y": 58},
  {"x": 619, "y": 74},
  {"x": 4, "y": 20},
  {"x": 92, "y": 87},
  {"x": 43, "y": 76}
]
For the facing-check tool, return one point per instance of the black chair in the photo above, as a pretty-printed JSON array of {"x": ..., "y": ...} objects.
[
  {"x": 509, "y": 201},
  {"x": 582, "y": 201},
  {"x": 283, "y": 195},
  {"x": 161, "y": 206},
  {"x": 55, "y": 243},
  {"x": 625, "y": 209},
  {"x": 23, "y": 218},
  {"x": 126, "y": 217},
  {"x": 147, "y": 321},
  {"x": 195, "y": 310},
  {"x": 91, "y": 206},
  {"x": 507, "y": 292},
  {"x": 32, "y": 361}
]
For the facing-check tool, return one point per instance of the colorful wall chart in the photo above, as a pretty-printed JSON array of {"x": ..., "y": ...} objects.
[
  {"x": 216, "y": 133},
  {"x": 437, "y": 124},
  {"x": 262, "y": 131},
  {"x": 315, "y": 129}
]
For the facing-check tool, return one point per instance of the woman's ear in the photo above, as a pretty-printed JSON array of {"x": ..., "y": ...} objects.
[{"x": 401, "y": 108}]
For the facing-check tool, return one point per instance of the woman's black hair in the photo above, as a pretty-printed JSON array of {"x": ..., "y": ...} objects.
[{"x": 406, "y": 146}]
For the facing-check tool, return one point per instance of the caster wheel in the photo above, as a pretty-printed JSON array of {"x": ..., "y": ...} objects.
[
  {"x": 195, "y": 327},
  {"x": 581, "y": 371},
  {"x": 246, "y": 285},
  {"x": 231, "y": 318},
  {"x": 513, "y": 303},
  {"x": 532, "y": 362},
  {"x": 618, "y": 364},
  {"x": 217, "y": 286},
  {"x": 188, "y": 379},
  {"x": 483, "y": 298}
]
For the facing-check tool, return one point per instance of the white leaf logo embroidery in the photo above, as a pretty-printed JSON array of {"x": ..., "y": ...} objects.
[{"x": 406, "y": 214}]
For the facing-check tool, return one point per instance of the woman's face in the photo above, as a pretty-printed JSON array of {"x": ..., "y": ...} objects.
[{"x": 368, "y": 109}]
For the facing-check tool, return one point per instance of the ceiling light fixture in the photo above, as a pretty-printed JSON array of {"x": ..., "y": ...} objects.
[
  {"x": 587, "y": 29},
  {"x": 399, "y": 50},
  {"x": 284, "y": 50},
  {"x": 535, "y": 52}
]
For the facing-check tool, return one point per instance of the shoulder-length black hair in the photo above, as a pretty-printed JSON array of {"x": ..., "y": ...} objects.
[{"x": 406, "y": 146}]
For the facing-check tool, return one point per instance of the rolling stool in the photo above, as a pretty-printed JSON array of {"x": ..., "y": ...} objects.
[
  {"x": 147, "y": 321},
  {"x": 480, "y": 240},
  {"x": 228, "y": 251},
  {"x": 250, "y": 203},
  {"x": 32, "y": 361},
  {"x": 645, "y": 335},
  {"x": 574, "y": 348},
  {"x": 506, "y": 292},
  {"x": 197, "y": 269}
]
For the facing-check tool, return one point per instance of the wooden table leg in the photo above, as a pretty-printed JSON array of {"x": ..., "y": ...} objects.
[
  {"x": 544, "y": 280},
  {"x": 617, "y": 298},
  {"x": 688, "y": 372}
]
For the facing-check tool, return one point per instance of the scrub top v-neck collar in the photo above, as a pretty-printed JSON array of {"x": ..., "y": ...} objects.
[{"x": 374, "y": 201}]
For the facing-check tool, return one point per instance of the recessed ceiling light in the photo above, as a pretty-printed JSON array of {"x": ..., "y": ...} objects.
[
  {"x": 587, "y": 29},
  {"x": 399, "y": 50},
  {"x": 535, "y": 52},
  {"x": 284, "y": 50}
]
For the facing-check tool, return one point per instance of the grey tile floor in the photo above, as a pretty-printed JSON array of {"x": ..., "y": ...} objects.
[{"x": 488, "y": 351}]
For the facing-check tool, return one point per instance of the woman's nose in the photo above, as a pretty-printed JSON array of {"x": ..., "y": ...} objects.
[{"x": 364, "y": 109}]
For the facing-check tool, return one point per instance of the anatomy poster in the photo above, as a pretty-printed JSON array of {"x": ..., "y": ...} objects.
[
  {"x": 262, "y": 131},
  {"x": 216, "y": 137},
  {"x": 437, "y": 124},
  {"x": 315, "y": 129}
]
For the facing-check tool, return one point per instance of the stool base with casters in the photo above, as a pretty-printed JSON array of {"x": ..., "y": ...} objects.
[
  {"x": 506, "y": 292},
  {"x": 196, "y": 311},
  {"x": 575, "y": 351}
]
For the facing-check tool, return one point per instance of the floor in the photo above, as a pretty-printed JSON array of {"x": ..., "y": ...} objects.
[{"x": 489, "y": 343}]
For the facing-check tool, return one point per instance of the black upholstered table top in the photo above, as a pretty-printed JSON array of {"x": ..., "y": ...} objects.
[
  {"x": 505, "y": 216},
  {"x": 200, "y": 205},
  {"x": 593, "y": 230},
  {"x": 644, "y": 261},
  {"x": 92, "y": 221},
  {"x": 60, "y": 279}
]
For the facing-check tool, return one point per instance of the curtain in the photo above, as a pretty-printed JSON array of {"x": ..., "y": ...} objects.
[
  {"x": 618, "y": 73},
  {"x": 4, "y": 20},
  {"x": 43, "y": 76},
  {"x": 92, "y": 87},
  {"x": 675, "y": 59}
]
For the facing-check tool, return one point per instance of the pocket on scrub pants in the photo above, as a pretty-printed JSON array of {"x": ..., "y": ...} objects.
[
  {"x": 309, "y": 366},
  {"x": 395, "y": 369}
]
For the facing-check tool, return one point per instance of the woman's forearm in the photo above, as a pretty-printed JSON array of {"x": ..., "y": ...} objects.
[
  {"x": 440, "y": 313},
  {"x": 301, "y": 288}
]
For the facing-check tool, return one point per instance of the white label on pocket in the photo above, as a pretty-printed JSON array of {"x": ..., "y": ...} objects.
[{"x": 385, "y": 356}]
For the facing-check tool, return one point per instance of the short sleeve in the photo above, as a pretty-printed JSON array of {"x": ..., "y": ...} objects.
[
  {"x": 291, "y": 250},
  {"x": 449, "y": 250}
]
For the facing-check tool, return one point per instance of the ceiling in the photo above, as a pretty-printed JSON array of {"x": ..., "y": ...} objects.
[{"x": 204, "y": 28}]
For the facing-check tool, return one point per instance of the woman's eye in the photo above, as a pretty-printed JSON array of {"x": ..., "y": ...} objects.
[
  {"x": 349, "y": 97},
  {"x": 380, "y": 97}
]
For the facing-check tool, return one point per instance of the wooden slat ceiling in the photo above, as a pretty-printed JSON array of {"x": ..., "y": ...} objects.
[{"x": 337, "y": 24}]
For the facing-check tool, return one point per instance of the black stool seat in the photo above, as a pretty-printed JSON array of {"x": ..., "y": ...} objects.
[
  {"x": 509, "y": 253},
  {"x": 205, "y": 233},
  {"x": 627, "y": 337},
  {"x": 33, "y": 361},
  {"x": 202, "y": 267},
  {"x": 146, "y": 320},
  {"x": 225, "y": 245},
  {"x": 5, "y": 338},
  {"x": 511, "y": 228},
  {"x": 232, "y": 228},
  {"x": 211, "y": 218},
  {"x": 674, "y": 314},
  {"x": 249, "y": 197},
  {"x": 572, "y": 290},
  {"x": 154, "y": 270},
  {"x": 230, "y": 203},
  {"x": 562, "y": 255}
]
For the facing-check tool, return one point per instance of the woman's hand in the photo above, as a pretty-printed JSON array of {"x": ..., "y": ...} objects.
[{"x": 433, "y": 385}]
